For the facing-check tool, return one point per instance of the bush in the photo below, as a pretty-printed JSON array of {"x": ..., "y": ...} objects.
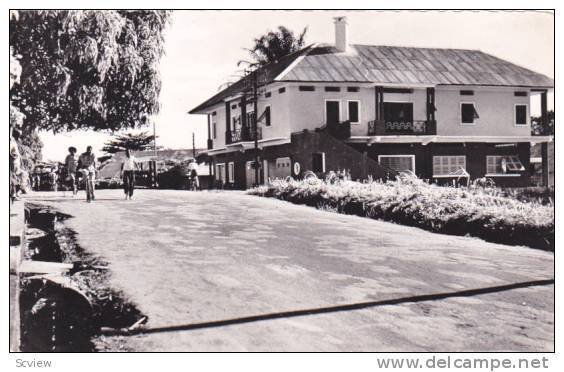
[{"x": 483, "y": 212}]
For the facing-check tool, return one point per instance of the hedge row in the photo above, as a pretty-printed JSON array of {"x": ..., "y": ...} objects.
[{"x": 479, "y": 212}]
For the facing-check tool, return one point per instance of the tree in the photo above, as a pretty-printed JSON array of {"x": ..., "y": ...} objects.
[
  {"x": 548, "y": 128},
  {"x": 136, "y": 142},
  {"x": 275, "y": 44},
  {"x": 87, "y": 69}
]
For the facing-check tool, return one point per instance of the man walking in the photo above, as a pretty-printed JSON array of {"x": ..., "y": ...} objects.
[
  {"x": 71, "y": 163},
  {"x": 128, "y": 174},
  {"x": 87, "y": 166}
]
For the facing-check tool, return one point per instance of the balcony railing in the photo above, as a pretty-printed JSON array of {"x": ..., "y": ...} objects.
[
  {"x": 243, "y": 134},
  {"x": 413, "y": 127}
]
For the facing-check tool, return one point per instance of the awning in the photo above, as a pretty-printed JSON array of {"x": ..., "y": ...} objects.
[{"x": 249, "y": 145}]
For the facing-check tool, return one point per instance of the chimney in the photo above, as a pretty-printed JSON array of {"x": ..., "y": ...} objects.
[{"x": 341, "y": 34}]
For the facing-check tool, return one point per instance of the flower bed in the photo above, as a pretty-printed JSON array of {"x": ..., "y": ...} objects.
[{"x": 475, "y": 211}]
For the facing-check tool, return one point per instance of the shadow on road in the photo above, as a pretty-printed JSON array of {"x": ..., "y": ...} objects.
[
  {"x": 70, "y": 200},
  {"x": 334, "y": 309}
]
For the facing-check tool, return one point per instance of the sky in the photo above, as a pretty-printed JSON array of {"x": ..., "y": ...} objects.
[{"x": 203, "y": 47}]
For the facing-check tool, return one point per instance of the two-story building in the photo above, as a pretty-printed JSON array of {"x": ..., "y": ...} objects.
[{"x": 441, "y": 113}]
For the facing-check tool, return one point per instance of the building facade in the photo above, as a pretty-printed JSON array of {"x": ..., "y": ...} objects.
[{"x": 376, "y": 110}]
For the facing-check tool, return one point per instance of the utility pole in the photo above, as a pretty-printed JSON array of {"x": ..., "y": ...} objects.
[
  {"x": 193, "y": 146},
  {"x": 255, "y": 126},
  {"x": 154, "y": 176},
  {"x": 154, "y": 141}
]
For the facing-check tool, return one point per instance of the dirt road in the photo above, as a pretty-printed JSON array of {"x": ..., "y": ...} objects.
[{"x": 198, "y": 257}]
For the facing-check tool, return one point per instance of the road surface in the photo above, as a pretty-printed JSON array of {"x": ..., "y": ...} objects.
[{"x": 187, "y": 258}]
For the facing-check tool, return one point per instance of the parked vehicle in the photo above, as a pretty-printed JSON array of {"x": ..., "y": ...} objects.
[{"x": 46, "y": 177}]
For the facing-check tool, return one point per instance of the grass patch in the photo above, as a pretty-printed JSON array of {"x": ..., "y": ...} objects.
[{"x": 476, "y": 211}]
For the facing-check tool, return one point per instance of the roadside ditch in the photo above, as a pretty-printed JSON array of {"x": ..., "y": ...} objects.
[{"x": 68, "y": 311}]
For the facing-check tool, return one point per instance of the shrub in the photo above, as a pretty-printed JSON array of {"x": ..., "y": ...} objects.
[{"x": 483, "y": 212}]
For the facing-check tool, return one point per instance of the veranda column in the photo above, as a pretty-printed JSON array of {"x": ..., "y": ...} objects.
[
  {"x": 210, "y": 141},
  {"x": 244, "y": 129},
  {"x": 227, "y": 123},
  {"x": 544, "y": 145}
]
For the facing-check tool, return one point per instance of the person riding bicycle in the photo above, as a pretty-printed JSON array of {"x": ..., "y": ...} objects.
[
  {"x": 193, "y": 175},
  {"x": 87, "y": 166}
]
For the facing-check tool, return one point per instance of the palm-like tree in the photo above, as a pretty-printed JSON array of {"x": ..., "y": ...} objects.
[{"x": 274, "y": 45}]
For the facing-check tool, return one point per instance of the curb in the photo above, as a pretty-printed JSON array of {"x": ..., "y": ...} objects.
[{"x": 17, "y": 228}]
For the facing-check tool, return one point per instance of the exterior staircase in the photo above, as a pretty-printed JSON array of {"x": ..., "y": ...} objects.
[{"x": 338, "y": 154}]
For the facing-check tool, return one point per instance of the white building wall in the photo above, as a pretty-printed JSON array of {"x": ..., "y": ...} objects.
[
  {"x": 219, "y": 118},
  {"x": 495, "y": 106},
  {"x": 308, "y": 108},
  {"x": 295, "y": 110},
  {"x": 279, "y": 112}
]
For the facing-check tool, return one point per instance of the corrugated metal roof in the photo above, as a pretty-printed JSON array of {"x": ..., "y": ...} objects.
[
  {"x": 402, "y": 65},
  {"x": 393, "y": 65}
]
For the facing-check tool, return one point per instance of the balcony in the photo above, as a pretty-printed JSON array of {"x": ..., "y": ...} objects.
[
  {"x": 244, "y": 134},
  {"x": 413, "y": 127}
]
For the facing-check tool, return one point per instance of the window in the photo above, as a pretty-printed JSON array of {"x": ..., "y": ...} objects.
[
  {"x": 400, "y": 163},
  {"x": 332, "y": 89},
  {"x": 250, "y": 118},
  {"x": 267, "y": 94},
  {"x": 231, "y": 172},
  {"x": 521, "y": 94},
  {"x": 306, "y": 88},
  {"x": 466, "y": 92},
  {"x": 281, "y": 90},
  {"x": 318, "y": 162},
  {"x": 468, "y": 113},
  {"x": 449, "y": 166},
  {"x": 236, "y": 122},
  {"x": 503, "y": 165},
  {"x": 332, "y": 112},
  {"x": 354, "y": 111},
  {"x": 400, "y": 112},
  {"x": 233, "y": 107},
  {"x": 352, "y": 89},
  {"x": 220, "y": 172},
  {"x": 267, "y": 116},
  {"x": 282, "y": 168},
  {"x": 214, "y": 130},
  {"x": 520, "y": 114}
]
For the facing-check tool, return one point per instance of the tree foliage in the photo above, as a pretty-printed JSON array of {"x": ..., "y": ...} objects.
[
  {"x": 87, "y": 69},
  {"x": 274, "y": 45},
  {"x": 131, "y": 141},
  {"x": 546, "y": 129}
]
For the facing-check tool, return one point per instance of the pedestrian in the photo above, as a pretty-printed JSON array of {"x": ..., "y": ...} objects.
[
  {"x": 54, "y": 178},
  {"x": 87, "y": 167},
  {"x": 36, "y": 179},
  {"x": 15, "y": 165},
  {"x": 193, "y": 174},
  {"x": 71, "y": 163},
  {"x": 128, "y": 168}
]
